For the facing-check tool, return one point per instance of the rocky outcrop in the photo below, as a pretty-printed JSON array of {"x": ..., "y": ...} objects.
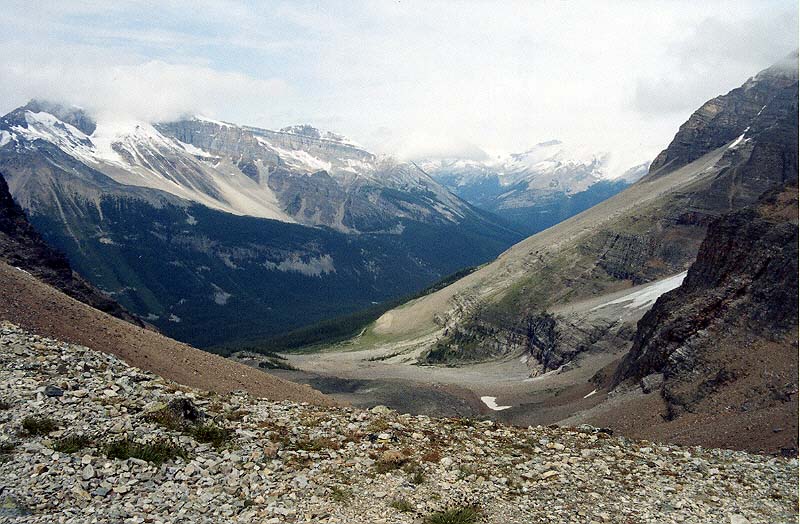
[
  {"x": 110, "y": 449},
  {"x": 21, "y": 246},
  {"x": 726, "y": 117},
  {"x": 738, "y": 306}
]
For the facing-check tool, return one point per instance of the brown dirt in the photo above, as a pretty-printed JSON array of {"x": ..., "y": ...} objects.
[
  {"x": 768, "y": 425},
  {"x": 42, "y": 309}
]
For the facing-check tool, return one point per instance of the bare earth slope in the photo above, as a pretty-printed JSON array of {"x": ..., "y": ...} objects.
[{"x": 28, "y": 302}]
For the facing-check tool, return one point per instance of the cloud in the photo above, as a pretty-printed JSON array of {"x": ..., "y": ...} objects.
[
  {"x": 712, "y": 55},
  {"x": 152, "y": 90},
  {"x": 432, "y": 78}
]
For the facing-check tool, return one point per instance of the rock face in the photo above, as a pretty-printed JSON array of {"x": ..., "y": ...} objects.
[
  {"x": 723, "y": 118},
  {"x": 109, "y": 455},
  {"x": 730, "y": 330},
  {"x": 21, "y": 246}
]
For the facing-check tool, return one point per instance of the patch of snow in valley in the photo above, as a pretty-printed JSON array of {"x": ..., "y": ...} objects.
[
  {"x": 647, "y": 296},
  {"x": 491, "y": 403}
]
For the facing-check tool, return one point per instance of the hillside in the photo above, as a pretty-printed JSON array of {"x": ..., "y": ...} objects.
[
  {"x": 21, "y": 246},
  {"x": 28, "y": 302},
  {"x": 123, "y": 444}
]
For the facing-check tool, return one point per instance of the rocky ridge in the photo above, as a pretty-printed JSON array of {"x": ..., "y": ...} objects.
[{"x": 86, "y": 438}]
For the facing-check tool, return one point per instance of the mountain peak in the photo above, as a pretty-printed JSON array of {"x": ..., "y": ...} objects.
[{"x": 74, "y": 115}]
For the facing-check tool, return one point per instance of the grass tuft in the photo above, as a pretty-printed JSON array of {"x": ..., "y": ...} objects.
[
  {"x": 339, "y": 494},
  {"x": 210, "y": 433},
  {"x": 71, "y": 443},
  {"x": 35, "y": 426},
  {"x": 157, "y": 452},
  {"x": 462, "y": 515},
  {"x": 402, "y": 505}
]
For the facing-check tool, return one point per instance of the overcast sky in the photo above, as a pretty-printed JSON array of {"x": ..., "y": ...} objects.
[{"x": 413, "y": 78}]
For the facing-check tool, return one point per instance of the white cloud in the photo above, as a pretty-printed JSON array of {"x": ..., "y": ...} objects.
[
  {"x": 151, "y": 90},
  {"x": 412, "y": 77}
]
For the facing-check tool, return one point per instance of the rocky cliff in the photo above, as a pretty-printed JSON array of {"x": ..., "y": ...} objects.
[
  {"x": 21, "y": 246},
  {"x": 727, "y": 337},
  {"x": 724, "y": 118}
]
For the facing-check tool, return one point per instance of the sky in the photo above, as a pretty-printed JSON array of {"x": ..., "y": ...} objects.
[{"x": 411, "y": 78}]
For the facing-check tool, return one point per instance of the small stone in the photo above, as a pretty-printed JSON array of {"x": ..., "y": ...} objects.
[
  {"x": 53, "y": 391},
  {"x": 87, "y": 472}
]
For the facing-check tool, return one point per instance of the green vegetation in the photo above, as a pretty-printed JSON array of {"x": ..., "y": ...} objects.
[
  {"x": 334, "y": 330},
  {"x": 157, "y": 452},
  {"x": 462, "y": 515},
  {"x": 206, "y": 433},
  {"x": 402, "y": 505},
  {"x": 339, "y": 494},
  {"x": 210, "y": 433},
  {"x": 417, "y": 476},
  {"x": 35, "y": 426},
  {"x": 71, "y": 443},
  {"x": 7, "y": 447}
]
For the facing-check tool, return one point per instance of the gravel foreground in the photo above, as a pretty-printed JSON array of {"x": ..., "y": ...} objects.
[{"x": 87, "y": 438}]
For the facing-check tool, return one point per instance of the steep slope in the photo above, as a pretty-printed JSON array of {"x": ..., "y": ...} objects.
[
  {"x": 724, "y": 344},
  {"x": 22, "y": 247},
  {"x": 214, "y": 244},
  {"x": 42, "y": 309},
  {"x": 538, "y": 188},
  {"x": 648, "y": 232}
]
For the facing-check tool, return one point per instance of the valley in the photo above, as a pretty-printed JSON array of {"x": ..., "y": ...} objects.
[{"x": 409, "y": 262}]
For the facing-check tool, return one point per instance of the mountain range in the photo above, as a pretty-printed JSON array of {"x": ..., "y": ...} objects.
[
  {"x": 214, "y": 232},
  {"x": 539, "y": 187}
]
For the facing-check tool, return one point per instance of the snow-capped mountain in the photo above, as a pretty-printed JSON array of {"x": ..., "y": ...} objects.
[
  {"x": 538, "y": 187},
  {"x": 169, "y": 218},
  {"x": 296, "y": 175}
]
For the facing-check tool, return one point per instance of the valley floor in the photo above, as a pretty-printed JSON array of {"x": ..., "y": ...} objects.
[
  {"x": 86, "y": 438},
  {"x": 370, "y": 375}
]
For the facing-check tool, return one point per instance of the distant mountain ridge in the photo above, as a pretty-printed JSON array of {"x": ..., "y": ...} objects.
[{"x": 537, "y": 188}]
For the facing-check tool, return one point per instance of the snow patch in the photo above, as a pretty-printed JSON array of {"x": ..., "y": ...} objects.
[
  {"x": 647, "y": 296},
  {"x": 741, "y": 137},
  {"x": 491, "y": 403},
  {"x": 6, "y": 137}
]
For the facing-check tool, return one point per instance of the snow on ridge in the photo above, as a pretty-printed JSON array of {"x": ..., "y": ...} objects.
[
  {"x": 220, "y": 123},
  {"x": 741, "y": 137}
]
